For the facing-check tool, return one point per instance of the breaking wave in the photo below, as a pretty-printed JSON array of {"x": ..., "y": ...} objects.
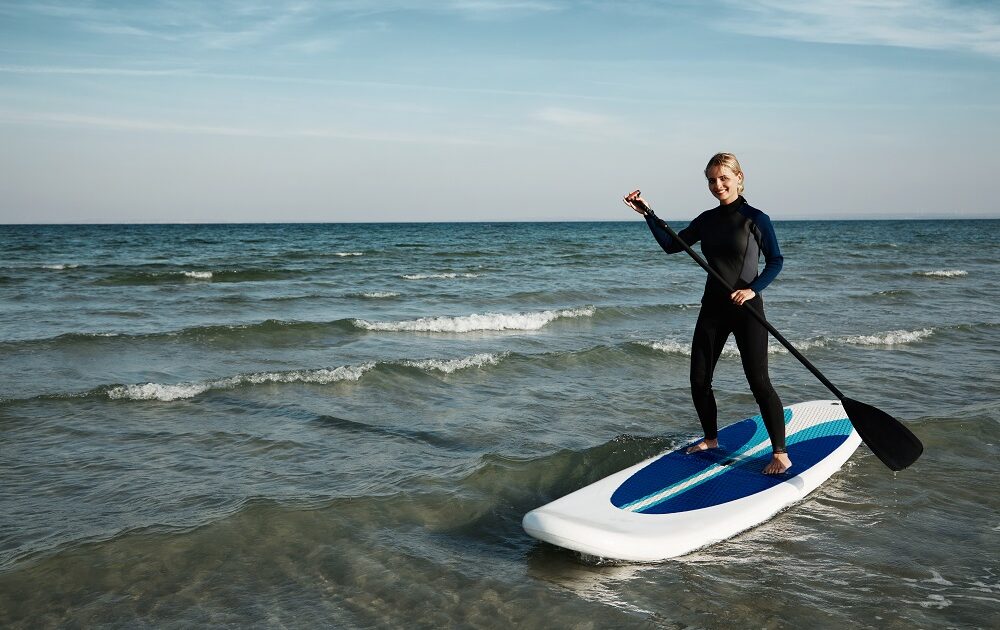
[
  {"x": 448, "y": 366},
  {"x": 943, "y": 273},
  {"x": 438, "y": 276},
  {"x": 888, "y": 339},
  {"x": 157, "y": 391},
  {"x": 144, "y": 278},
  {"x": 476, "y": 322},
  {"x": 376, "y": 295},
  {"x": 322, "y": 376}
]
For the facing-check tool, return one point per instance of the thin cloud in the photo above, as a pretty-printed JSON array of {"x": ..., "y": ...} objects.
[
  {"x": 237, "y": 24},
  {"x": 416, "y": 87},
  {"x": 572, "y": 118},
  {"x": 123, "y": 124},
  {"x": 223, "y": 25},
  {"x": 161, "y": 126},
  {"x": 583, "y": 124},
  {"x": 919, "y": 24},
  {"x": 495, "y": 7},
  {"x": 125, "y": 72}
]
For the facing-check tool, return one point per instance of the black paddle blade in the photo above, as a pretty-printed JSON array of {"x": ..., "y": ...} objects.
[{"x": 887, "y": 437}]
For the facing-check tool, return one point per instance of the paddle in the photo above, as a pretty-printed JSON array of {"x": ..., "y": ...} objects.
[{"x": 887, "y": 437}]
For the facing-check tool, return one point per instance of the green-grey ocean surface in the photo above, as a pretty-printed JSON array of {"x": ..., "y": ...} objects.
[{"x": 342, "y": 425}]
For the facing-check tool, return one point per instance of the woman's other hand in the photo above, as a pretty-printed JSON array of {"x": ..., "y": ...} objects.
[{"x": 741, "y": 296}]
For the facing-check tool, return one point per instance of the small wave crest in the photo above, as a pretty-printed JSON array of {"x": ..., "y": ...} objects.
[
  {"x": 943, "y": 273},
  {"x": 438, "y": 276},
  {"x": 146, "y": 277},
  {"x": 267, "y": 331},
  {"x": 60, "y": 266},
  {"x": 891, "y": 338},
  {"x": 670, "y": 346},
  {"x": 730, "y": 350},
  {"x": 448, "y": 366},
  {"x": 157, "y": 391},
  {"x": 377, "y": 295},
  {"x": 322, "y": 376},
  {"x": 346, "y": 254},
  {"x": 476, "y": 322}
]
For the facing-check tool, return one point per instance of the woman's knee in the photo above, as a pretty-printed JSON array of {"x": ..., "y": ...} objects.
[
  {"x": 701, "y": 383},
  {"x": 761, "y": 386}
]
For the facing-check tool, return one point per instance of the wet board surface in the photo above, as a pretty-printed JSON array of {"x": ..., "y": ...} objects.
[{"x": 675, "y": 503}]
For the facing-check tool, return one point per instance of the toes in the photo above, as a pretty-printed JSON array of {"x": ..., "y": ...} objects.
[
  {"x": 776, "y": 467},
  {"x": 700, "y": 446}
]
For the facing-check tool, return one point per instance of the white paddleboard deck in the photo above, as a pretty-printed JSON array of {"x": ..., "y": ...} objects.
[{"x": 675, "y": 503}]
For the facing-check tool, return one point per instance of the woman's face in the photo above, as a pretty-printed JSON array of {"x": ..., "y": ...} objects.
[{"x": 724, "y": 184}]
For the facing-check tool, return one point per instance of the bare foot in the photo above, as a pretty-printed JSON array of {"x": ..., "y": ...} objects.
[
  {"x": 704, "y": 445},
  {"x": 779, "y": 464}
]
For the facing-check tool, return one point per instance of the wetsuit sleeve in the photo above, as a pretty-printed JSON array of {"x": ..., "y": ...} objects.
[
  {"x": 689, "y": 235},
  {"x": 773, "y": 260}
]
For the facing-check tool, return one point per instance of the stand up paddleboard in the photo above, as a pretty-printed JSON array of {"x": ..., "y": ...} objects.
[{"x": 675, "y": 503}]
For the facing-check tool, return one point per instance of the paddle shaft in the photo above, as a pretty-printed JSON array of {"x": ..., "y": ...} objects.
[{"x": 759, "y": 316}]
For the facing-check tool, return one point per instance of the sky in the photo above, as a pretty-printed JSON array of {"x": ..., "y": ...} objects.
[{"x": 494, "y": 110}]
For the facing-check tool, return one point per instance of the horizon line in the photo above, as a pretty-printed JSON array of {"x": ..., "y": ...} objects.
[{"x": 98, "y": 223}]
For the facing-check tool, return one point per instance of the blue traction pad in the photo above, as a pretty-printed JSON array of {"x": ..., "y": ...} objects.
[{"x": 726, "y": 473}]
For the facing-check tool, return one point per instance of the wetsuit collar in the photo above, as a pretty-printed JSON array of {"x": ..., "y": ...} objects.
[{"x": 736, "y": 205}]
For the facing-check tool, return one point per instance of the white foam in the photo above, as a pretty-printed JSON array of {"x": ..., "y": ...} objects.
[
  {"x": 669, "y": 346},
  {"x": 936, "y": 601},
  {"x": 157, "y": 391},
  {"x": 773, "y": 347},
  {"x": 452, "y": 365},
  {"x": 343, "y": 254},
  {"x": 476, "y": 322},
  {"x": 944, "y": 273},
  {"x": 60, "y": 266},
  {"x": 322, "y": 376},
  {"x": 891, "y": 338},
  {"x": 438, "y": 276},
  {"x": 937, "y": 578},
  {"x": 730, "y": 350},
  {"x": 379, "y": 294},
  {"x": 198, "y": 275}
]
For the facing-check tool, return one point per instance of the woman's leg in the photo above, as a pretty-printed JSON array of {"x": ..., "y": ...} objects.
[
  {"x": 710, "y": 334},
  {"x": 751, "y": 338}
]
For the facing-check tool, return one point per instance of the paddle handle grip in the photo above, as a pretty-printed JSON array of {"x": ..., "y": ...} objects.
[{"x": 753, "y": 311}]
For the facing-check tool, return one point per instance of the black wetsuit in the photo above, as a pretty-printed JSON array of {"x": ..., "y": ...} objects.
[{"x": 733, "y": 237}]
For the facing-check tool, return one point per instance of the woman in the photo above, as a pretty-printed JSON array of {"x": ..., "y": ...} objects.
[{"x": 733, "y": 236}]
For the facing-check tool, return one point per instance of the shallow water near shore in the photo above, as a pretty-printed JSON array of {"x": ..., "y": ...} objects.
[{"x": 342, "y": 425}]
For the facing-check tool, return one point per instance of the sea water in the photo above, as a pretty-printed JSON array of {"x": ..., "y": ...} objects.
[{"x": 342, "y": 425}]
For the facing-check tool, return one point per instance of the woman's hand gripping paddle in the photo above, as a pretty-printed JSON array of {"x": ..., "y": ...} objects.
[{"x": 887, "y": 437}]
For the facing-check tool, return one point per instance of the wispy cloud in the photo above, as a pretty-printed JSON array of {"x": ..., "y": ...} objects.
[
  {"x": 236, "y": 24},
  {"x": 583, "y": 124},
  {"x": 319, "y": 81},
  {"x": 63, "y": 119},
  {"x": 122, "y": 124},
  {"x": 572, "y": 118},
  {"x": 919, "y": 24},
  {"x": 227, "y": 24},
  {"x": 125, "y": 72},
  {"x": 490, "y": 8}
]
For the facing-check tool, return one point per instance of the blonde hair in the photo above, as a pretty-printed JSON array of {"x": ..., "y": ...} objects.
[{"x": 729, "y": 161}]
